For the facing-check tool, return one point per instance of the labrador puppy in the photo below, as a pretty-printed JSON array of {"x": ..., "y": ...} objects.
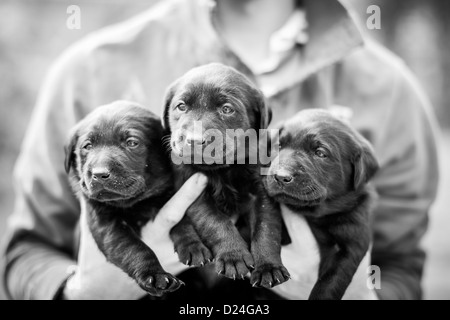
[
  {"x": 118, "y": 166},
  {"x": 225, "y": 104},
  {"x": 322, "y": 172}
]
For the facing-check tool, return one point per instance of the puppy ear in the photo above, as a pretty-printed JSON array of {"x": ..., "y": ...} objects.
[
  {"x": 269, "y": 116},
  {"x": 70, "y": 151},
  {"x": 263, "y": 115},
  {"x": 170, "y": 93},
  {"x": 365, "y": 165}
]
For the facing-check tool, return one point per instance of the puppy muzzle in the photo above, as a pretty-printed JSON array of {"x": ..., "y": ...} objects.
[
  {"x": 290, "y": 183},
  {"x": 102, "y": 183},
  {"x": 207, "y": 148}
]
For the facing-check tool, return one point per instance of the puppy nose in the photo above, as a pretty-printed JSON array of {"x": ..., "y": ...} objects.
[
  {"x": 100, "y": 174},
  {"x": 284, "y": 176}
]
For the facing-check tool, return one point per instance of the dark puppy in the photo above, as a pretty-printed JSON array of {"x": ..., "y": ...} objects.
[
  {"x": 322, "y": 172},
  {"x": 118, "y": 167},
  {"x": 222, "y": 99}
]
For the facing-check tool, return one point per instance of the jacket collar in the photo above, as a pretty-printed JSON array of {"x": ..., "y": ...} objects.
[{"x": 333, "y": 34}]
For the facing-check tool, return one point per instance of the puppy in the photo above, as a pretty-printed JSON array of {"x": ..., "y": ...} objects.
[
  {"x": 222, "y": 99},
  {"x": 117, "y": 165},
  {"x": 321, "y": 172}
]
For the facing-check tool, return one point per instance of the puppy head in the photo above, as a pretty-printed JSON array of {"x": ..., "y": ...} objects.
[
  {"x": 321, "y": 159},
  {"x": 115, "y": 154},
  {"x": 206, "y": 102}
]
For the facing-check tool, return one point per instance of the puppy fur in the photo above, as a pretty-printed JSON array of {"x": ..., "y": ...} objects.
[
  {"x": 221, "y": 98},
  {"x": 322, "y": 172},
  {"x": 118, "y": 166}
]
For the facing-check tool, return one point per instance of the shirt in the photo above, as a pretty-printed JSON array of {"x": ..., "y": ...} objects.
[{"x": 139, "y": 58}]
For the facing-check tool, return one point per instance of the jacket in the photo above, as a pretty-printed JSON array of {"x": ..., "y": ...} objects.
[{"x": 136, "y": 60}]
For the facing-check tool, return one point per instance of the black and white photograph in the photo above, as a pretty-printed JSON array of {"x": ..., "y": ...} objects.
[{"x": 218, "y": 155}]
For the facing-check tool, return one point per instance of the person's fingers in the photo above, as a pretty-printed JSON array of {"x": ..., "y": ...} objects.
[
  {"x": 174, "y": 210},
  {"x": 298, "y": 229},
  {"x": 88, "y": 249}
]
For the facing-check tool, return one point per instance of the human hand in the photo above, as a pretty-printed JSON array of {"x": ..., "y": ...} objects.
[
  {"x": 98, "y": 279},
  {"x": 302, "y": 259}
]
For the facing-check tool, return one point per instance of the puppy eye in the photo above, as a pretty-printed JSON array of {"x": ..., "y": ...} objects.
[
  {"x": 227, "y": 109},
  {"x": 132, "y": 142},
  {"x": 182, "y": 107},
  {"x": 87, "y": 146},
  {"x": 321, "y": 153}
]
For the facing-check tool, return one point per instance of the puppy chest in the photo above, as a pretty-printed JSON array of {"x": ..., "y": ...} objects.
[{"x": 229, "y": 199}]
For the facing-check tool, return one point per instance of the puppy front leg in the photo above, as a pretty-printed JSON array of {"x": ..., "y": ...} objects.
[
  {"x": 232, "y": 256},
  {"x": 336, "y": 270},
  {"x": 266, "y": 225},
  {"x": 122, "y": 246},
  {"x": 190, "y": 248}
]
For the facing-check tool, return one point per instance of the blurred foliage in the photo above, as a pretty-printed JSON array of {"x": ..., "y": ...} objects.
[{"x": 33, "y": 33}]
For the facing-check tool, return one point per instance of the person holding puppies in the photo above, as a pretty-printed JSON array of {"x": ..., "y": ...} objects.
[{"x": 301, "y": 54}]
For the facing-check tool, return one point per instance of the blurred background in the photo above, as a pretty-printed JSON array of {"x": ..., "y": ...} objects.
[{"x": 34, "y": 33}]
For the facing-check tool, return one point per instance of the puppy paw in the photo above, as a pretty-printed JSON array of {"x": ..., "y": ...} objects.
[
  {"x": 159, "y": 283},
  {"x": 234, "y": 264},
  {"x": 269, "y": 276},
  {"x": 195, "y": 254}
]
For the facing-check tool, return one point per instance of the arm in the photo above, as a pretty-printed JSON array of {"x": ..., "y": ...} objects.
[
  {"x": 97, "y": 279},
  {"x": 407, "y": 186},
  {"x": 123, "y": 246},
  {"x": 42, "y": 232},
  {"x": 39, "y": 244}
]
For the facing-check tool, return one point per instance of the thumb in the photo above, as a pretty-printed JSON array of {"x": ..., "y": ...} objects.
[
  {"x": 298, "y": 229},
  {"x": 174, "y": 210}
]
